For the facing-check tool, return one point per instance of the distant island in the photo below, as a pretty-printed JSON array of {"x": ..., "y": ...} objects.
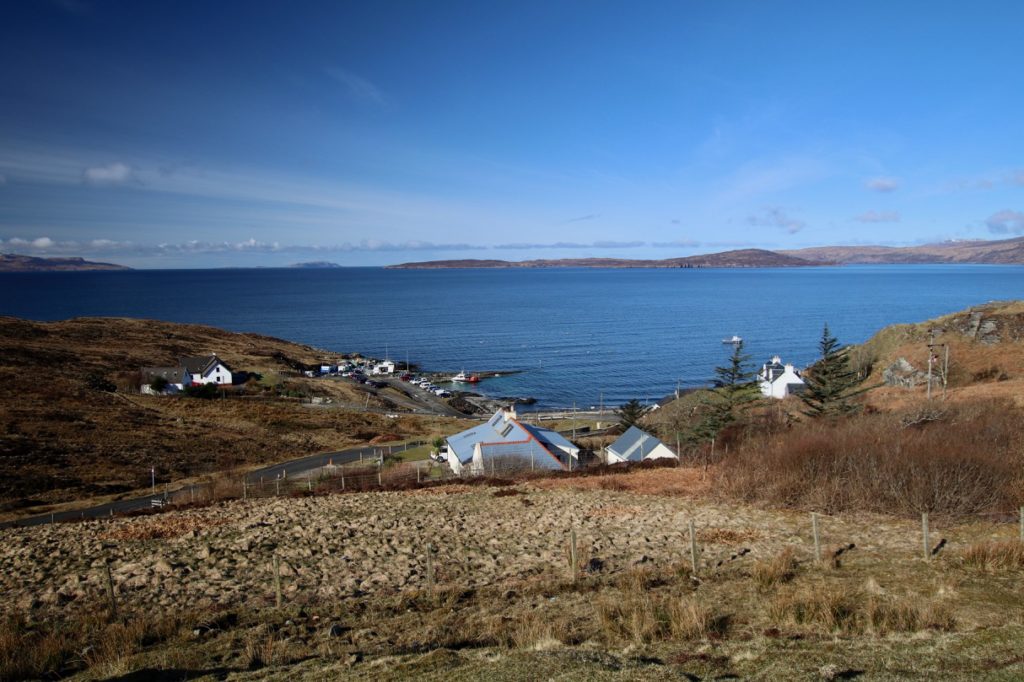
[
  {"x": 1002, "y": 251},
  {"x": 980, "y": 251},
  {"x": 315, "y": 265},
  {"x": 743, "y": 258},
  {"x": 12, "y": 262}
]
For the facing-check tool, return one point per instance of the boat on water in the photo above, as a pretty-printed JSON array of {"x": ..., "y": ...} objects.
[
  {"x": 734, "y": 340},
  {"x": 463, "y": 378}
]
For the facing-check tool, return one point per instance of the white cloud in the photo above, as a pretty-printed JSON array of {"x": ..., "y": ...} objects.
[
  {"x": 878, "y": 217},
  {"x": 775, "y": 216},
  {"x": 357, "y": 87},
  {"x": 570, "y": 245},
  {"x": 1006, "y": 221},
  {"x": 882, "y": 184},
  {"x": 111, "y": 174},
  {"x": 112, "y": 248}
]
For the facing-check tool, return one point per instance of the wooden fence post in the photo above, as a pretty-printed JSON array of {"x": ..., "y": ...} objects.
[
  {"x": 924, "y": 535},
  {"x": 817, "y": 537},
  {"x": 430, "y": 567},
  {"x": 693, "y": 548},
  {"x": 277, "y": 486},
  {"x": 572, "y": 554},
  {"x": 1020, "y": 519},
  {"x": 110, "y": 591},
  {"x": 277, "y": 581}
]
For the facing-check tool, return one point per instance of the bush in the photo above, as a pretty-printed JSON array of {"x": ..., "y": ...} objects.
[
  {"x": 961, "y": 460},
  {"x": 203, "y": 392},
  {"x": 98, "y": 382}
]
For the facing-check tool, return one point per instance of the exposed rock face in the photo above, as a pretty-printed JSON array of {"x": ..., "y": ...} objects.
[{"x": 902, "y": 373}]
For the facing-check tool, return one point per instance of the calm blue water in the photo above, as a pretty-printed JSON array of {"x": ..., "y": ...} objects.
[{"x": 578, "y": 333}]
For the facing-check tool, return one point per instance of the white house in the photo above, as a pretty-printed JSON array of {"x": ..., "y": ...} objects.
[
  {"x": 386, "y": 367},
  {"x": 503, "y": 443},
  {"x": 778, "y": 380},
  {"x": 636, "y": 445},
  {"x": 191, "y": 371}
]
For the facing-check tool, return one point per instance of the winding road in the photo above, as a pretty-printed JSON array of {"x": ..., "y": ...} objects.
[{"x": 290, "y": 469}]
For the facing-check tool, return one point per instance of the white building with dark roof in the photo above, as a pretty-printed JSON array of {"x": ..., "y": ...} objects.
[
  {"x": 193, "y": 370},
  {"x": 503, "y": 443},
  {"x": 778, "y": 380},
  {"x": 636, "y": 445}
]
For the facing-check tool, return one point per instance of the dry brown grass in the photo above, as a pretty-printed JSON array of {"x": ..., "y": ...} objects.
[
  {"x": 780, "y": 568},
  {"x": 681, "y": 481},
  {"x": 995, "y": 556},
  {"x": 841, "y": 609},
  {"x": 641, "y": 617},
  {"x": 32, "y": 650}
]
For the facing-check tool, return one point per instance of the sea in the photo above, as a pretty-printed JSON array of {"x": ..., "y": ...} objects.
[{"x": 583, "y": 337}]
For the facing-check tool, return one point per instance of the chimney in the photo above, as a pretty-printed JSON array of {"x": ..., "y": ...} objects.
[{"x": 510, "y": 412}]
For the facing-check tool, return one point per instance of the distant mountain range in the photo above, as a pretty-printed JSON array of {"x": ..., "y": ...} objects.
[
  {"x": 744, "y": 258},
  {"x": 12, "y": 262},
  {"x": 315, "y": 265},
  {"x": 1005, "y": 251}
]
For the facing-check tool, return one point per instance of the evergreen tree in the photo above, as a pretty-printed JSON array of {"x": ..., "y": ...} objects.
[
  {"x": 736, "y": 382},
  {"x": 629, "y": 414},
  {"x": 831, "y": 382},
  {"x": 734, "y": 388}
]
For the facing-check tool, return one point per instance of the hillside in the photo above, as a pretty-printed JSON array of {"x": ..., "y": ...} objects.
[
  {"x": 1004, "y": 251},
  {"x": 743, "y": 258},
  {"x": 11, "y": 262},
  {"x": 61, "y": 439}
]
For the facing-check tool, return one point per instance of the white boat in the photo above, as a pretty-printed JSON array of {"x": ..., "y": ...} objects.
[
  {"x": 734, "y": 340},
  {"x": 461, "y": 377}
]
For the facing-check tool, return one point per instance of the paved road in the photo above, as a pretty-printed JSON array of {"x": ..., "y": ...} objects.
[{"x": 290, "y": 469}]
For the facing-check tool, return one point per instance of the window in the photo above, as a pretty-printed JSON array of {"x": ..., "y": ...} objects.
[{"x": 507, "y": 430}]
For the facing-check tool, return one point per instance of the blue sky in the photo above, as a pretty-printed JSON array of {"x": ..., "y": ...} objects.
[{"x": 197, "y": 134}]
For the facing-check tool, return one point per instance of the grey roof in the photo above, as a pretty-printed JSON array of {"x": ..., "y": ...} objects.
[
  {"x": 171, "y": 374},
  {"x": 634, "y": 444},
  {"x": 198, "y": 364},
  {"x": 501, "y": 438}
]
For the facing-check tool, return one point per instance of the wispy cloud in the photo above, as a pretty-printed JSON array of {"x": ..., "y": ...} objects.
[
  {"x": 762, "y": 177},
  {"x": 677, "y": 244},
  {"x": 357, "y": 87},
  {"x": 570, "y": 245},
  {"x": 589, "y": 216},
  {"x": 1005, "y": 222},
  {"x": 878, "y": 217},
  {"x": 108, "y": 247},
  {"x": 111, "y": 174},
  {"x": 775, "y": 216},
  {"x": 882, "y": 184}
]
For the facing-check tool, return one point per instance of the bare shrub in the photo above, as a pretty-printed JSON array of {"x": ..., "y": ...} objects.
[
  {"x": 995, "y": 556},
  {"x": 967, "y": 460}
]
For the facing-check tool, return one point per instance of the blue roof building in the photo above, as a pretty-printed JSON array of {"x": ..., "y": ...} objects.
[
  {"x": 636, "y": 445},
  {"x": 503, "y": 443}
]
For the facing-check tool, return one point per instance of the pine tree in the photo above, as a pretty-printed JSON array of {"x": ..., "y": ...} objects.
[
  {"x": 629, "y": 413},
  {"x": 831, "y": 383},
  {"x": 734, "y": 389},
  {"x": 736, "y": 382}
]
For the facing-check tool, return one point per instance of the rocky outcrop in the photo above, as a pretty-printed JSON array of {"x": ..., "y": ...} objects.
[{"x": 903, "y": 374}]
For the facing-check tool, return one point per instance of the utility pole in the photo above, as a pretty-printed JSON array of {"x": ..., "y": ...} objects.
[
  {"x": 933, "y": 359},
  {"x": 574, "y": 420},
  {"x": 152, "y": 479}
]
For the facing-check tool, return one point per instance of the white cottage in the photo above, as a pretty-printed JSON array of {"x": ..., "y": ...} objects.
[
  {"x": 636, "y": 445},
  {"x": 778, "y": 380},
  {"x": 191, "y": 371},
  {"x": 503, "y": 442}
]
